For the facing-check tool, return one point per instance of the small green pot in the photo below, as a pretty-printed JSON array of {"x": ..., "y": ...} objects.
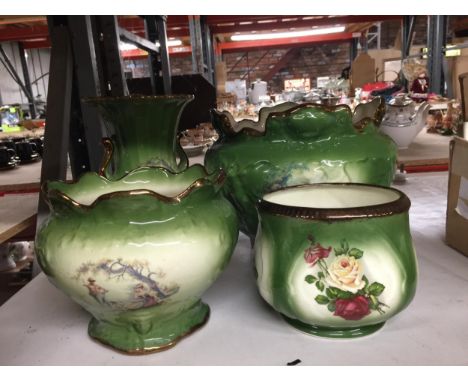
[
  {"x": 138, "y": 252},
  {"x": 299, "y": 144},
  {"x": 336, "y": 260}
]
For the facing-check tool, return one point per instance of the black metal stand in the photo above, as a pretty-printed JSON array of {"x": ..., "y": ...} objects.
[
  {"x": 436, "y": 38},
  {"x": 202, "y": 48}
]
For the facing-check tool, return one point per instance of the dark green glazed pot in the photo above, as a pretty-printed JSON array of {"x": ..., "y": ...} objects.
[
  {"x": 336, "y": 260},
  {"x": 138, "y": 252},
  {"x": 142, "y": 132},
  {"x": 299, "y": 144}
]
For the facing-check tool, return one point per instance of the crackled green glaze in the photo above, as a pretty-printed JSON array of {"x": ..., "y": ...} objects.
[
  {"x": 297, "y": 145},
  {"x": 335, "y": 277},
  {"x": 143, "y": 131},
  {"x": 138, "y": 252}
]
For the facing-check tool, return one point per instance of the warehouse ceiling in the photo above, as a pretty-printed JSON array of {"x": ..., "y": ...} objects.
[{"x": 33, "y": 32}]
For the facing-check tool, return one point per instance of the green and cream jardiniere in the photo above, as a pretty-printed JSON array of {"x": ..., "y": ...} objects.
[
  {"x": 336, "y": 260},
  {"x": 138, "y": 252},
  {"x": 294, "y": 144}
]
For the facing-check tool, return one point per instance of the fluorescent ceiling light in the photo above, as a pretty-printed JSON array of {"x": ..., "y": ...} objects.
[
  {"x": 303, "y": 33},
  {"x": 172, "y": 43},
  {"x": 127, "y": 46}
]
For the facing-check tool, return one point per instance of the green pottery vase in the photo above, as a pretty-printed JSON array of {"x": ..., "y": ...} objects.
[
  {"x": 299, "y": 144},
  {"x": 142, "y": 132},
  {"x": 336, "y": 260},
  {"x": 138, "y": 252}
]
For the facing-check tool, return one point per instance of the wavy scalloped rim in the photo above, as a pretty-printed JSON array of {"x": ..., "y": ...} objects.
[
  {"x": 258, "y": 128},
  {"x": 216, "y": 177}
]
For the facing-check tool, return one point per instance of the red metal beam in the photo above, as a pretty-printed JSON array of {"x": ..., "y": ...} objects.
[
  {"x": 26, "y": 34},
  {"x": 22, "y": 34},
  {"x": 136, "y": 25},
  {"x": 308, "y": 23},
  {"x": 222, "y": 19},
  {"x": 283, "y": 42},
  {"x": 37, "y": 44},
  {"x": 137, "y": 22}
]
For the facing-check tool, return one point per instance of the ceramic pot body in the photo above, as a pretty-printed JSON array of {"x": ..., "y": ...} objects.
[
  {"x": 142, "y": 131},
  {"x": 297, "y": 144},
  {"x": 403, "y": 121},
  {"x": 138, "y": 253},
  {"x": 336, "y": 260}
]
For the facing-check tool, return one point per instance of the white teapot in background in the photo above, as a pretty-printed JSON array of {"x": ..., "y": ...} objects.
[
  {"x": 404, "y": 120},
  {"x": 257, "y": 89}
]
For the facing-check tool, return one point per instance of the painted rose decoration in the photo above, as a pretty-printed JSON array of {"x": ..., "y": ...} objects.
[
  {"x": 345, "y": 273},
  {"x": 341, "y": 283}
]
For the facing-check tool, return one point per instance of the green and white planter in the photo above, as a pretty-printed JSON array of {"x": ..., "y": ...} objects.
[
  {"x": 138, "y": 252},
  {"x": 336, "y": 260},
  {"x": 294, "y": 144}
]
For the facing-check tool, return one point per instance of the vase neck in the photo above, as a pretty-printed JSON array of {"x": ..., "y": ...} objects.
[{"x": 143, "y": 132}]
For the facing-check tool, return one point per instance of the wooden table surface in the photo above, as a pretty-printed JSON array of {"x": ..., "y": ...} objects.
[
  {"x": 17, "y": 213},
  {"x": 40, "y": 325}
]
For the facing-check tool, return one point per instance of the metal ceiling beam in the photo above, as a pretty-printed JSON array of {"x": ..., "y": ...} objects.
[
  {"x": 20, "y": 34},
  {"x": 136, "y": 25},
  {"x": 231, "y": 69},
  {"x": 41, "y": 44},
  {"x": 254, "y": 65},
  {"x": 308, "y": 23},
  {"x": 27, "y": 80},
  {"x": 39, "y": 35},
  {"x": 7, "y": 20},
  {"x": 288, "y": 56},
  {"x": 283, "y": 42},
  {"x": 5, "y": 60},
  {"x": 138, "y": 41},
  {"x": 221, "y": 19}
]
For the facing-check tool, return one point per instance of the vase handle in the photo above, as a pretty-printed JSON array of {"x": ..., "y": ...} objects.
[
  {"x": 108, "y": 152},
  {"x": 183, "y": 164}
]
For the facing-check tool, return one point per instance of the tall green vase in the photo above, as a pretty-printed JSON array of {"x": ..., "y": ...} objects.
[{"x": 142, "y": 132}]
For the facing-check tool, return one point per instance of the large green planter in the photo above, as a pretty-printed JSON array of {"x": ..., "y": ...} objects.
[
  {"x": 142, "y": 131},
  {"x": 299, "y": 144},
  {"x": 336, "y": 260},
  {"x": 138, "y": 252}
]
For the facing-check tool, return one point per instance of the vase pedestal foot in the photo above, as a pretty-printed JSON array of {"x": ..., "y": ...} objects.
[
  {"x": 326, "y": 332},
  {"x": 142, "y": 335}
]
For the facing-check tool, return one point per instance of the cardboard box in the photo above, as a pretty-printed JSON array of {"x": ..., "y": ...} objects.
[
  {"x": 362, "y": 70},
  {"x": 456, "y": 234},
  {"x": 221, "y": 77}
]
